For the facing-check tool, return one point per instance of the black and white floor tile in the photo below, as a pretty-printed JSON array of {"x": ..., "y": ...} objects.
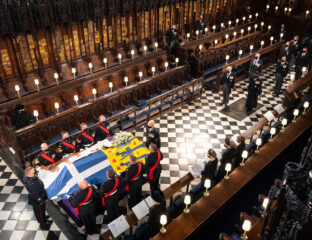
[{"x": 186, "y": 135}]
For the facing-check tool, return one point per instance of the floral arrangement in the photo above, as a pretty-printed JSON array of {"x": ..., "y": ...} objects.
[{"x": 122, "y": 137}]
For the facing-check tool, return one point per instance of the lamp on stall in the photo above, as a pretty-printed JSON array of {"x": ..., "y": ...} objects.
[
  {"x": 244, "y": 18},
  {"x": 285, "y": 10},
  {"x": 246, "y": 227},
  {"x": 215, "y": 42},
  {"x": 262, "y": 24},
  {"x": 207, "y": 185},
  {"x": 177, "y": 61},
  {"x": 249, "y": 28},
  {"x": 256, "y": 26},
  {"x": 244, "y": 157},
  {"x": 94, "y": 93},
  {"x": 153, "y": 71},
  {"x": 214, "y": 28},
  {"x": 261, "y": 44},
  {"x": 17, "y": 89},
  {"x": 222, "y": 25},
  {"x": 206, "y": 30},
  {"x": 228, "y": 168},
  {"x": 258, "y": 144},
  {"x": 76, "y": 99},
  {"x": 242, "y": 32},
  {"x": 237, "y": 21},
  {"x": 156, "y": 46},
  {"x": 292, "y": 78},
  {"x": 141, "y": 75},
  {"x": 269, "y": 28},
  {"x": 132, "y": 54},
  {"x": 37, "y": 84},
  {"x": 265, "y": 203},
  {"x": 240, "y": 52},
  {"x": 126, "y": 80},
  {"x": 227, "y": 57},
  {"x": 289, "y": 10},
  {"x": 276, "y": 9},
  {"x": 166, "y": 65},
  {"x": 163, "y": 222},
  {"x": 200, "y": 47},
  {"x": 105, "y": 62},
  {"x": 36, "y": 114},
  {"x": 271, "y": 39},
  {"x": 197, "y": 33},
  {"x": 250, "y": 17},
  {"x": 281, "y": 36},
  {"x": 226, "y": 37},
  {"x": 90, "y": 65},
  {"x": 188, "y": 35},
  {"x": 296, "y": 113},
  {"x": 230, "y": 22},
  {"x": 234, "y": 34},
  {"x": 257, "y": 14},
  {"x": 267, "y": 7},
  {"x": 272, "y": 133},
  {"x": 251, "y": 48},
  {"x": 284, "y": 123},
  {"x": 307, "y": 13},
  {"x": 57, "y": 106},
  {"x": 74, "y": 72},
  {"x": 56, "y": 76},
  {"x": 145, "y": 49},
  {"x": 110, "y": 84},
  {"x": 187, "y": 201},
  {"x": 304, "y": 69},
  {"x": 119, "y": 57},
  {"x": 305, "y": 106}
]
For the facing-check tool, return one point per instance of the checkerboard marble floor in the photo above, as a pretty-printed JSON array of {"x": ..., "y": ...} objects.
[{"x": 186, "y": 135}]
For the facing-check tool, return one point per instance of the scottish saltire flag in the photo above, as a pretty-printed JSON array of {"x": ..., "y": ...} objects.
[{"x": 93, "y": 168}]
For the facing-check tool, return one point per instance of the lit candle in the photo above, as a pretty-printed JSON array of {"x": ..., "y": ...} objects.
[
  {"x": 269, "y": 28},
  {"x": 56, "y": 76},
  {"x": 188, "y": 35},
  {"x": 284, "y": 123},
  {"x": 240, "y": 52},
  {"x": 304, "y": 69},
  {"x": 17, "y": 89},
  {"x": 296, "y": 113},
  {"x": 307, "y": 13},
  {"x": 305, "y": 106},
  {"x": 215, "y": 42},
  {"x": 267, "y": 7},
  {"x": 281, "y": 36},
  {"x": 76, "y": 99},
  {"x": 234, "y": 34},
  {"x": 119, "y": 57},
  {"x": 57, "y": 106},
  {"x": 110, "y": 84},
  {"x": 37, "y": 84},
  {"x": 177, "y": 61},
  {"x": 145, "y": 49},
  {"x": 222, "y": 25},
  {"x": 132, "y": 54},
  {"x": 289, "y": 10},
  {"x": 230, "y": 22},
  {"x": 276, "y": 9},
  {"x": 271, "y": 39},
  {"x": 258, "y": 143},
  {"x": 126, "y": 80},
  {"x": 285, "y": 10},
  {"x": 272, "y": 132},
  {"x": 292, "y": 78},
  {"x": 206, "y": 30},
  {"x": 262, "y": 43},
  {"x": 105, "y": 62},
  {"x": 163, "y": 222},
  {"x": 153, "y": 71},
  {"x": 251, "y": 48},
  {"x": 237, "y": 21},
  {"x": 36, "y": 114},
  {"x": 257, "y": 14},
  {"x": 187, "y": 201},
  {"x": 197, "y": 33},
  {"x": 244, "y": 18},
  {"x": 200, "y": 47},
  {"x": 244, "y": 157},
  {"x": 94, "y": 92},
  {"x": 214, "y": 28},
  {"x": 90, "y": 65},
  {"x": 256, "y": 26},
  {"x": 156, "y": 45},
  {"x": 227, "y": 57},
  {"x": 140, "y": 75},
  {"x": 166, "y": 65},
  {"x": 207, "y": 185},
  {"x": 74, "y": 71},
  {"x": 262, "y": 24},
  {"x": 228, "y": 168},
  {"x": 242, "y": 32},
  {"x": 250, "y": 17},
  {"x": 246, "y": 227},
  {"x": 249, "y": 28},
  {"x": 226, "y": 37}
]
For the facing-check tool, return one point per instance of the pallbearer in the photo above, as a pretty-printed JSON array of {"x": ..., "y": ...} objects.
[
  {"x": 67, "y": 145},
  {"x": 227, "y": 82},
  {"x": 153, "y": 166},
  {"x": 152, "y": 134},
  {"x": 102, "y": 131},
  {"x": 47, "y": 158},
  {"x": 86, "y": 137},
  {"x": 84, "y": 203}
]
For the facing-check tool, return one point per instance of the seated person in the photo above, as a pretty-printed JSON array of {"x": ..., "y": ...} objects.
[
  {"x": 239, "y": 150},
  {"x": 86, "y": 137},
  {"x": 19, "y": 117},
  {"x": 47, "y": 158},
  {"x": 200, "y": 25},
  {"x": 67, "y": 145},
  {"x": 102, "y": 131},
  {"x": 210, "y": 168}
]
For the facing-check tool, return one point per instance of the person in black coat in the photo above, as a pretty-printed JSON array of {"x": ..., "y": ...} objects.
[
  {"x": 210, "y": 168},
  {"x": 292, "y": 105},
  {"x": 102, "y": 131},
  {"x": 255, "y": 66},
  {"x": 19, "y": 117},
  {"x": 280, "y": 74},
  {"x": 37, "y": 197},
  {"x": 153, "y": 166},
  {"x": 294, "y": 49},
  {"x": 302, "y": 60},
  {"x": 284, "y": 51},
  {"x": 227, "y": 157},
  {"x": 67, "y": 145},
  {"x": 227, "y": 82},
  {"x": 172, "y": 37},
  {"x": 155, "y": 212},
  {"x": 152, "y": 135},
  {"x": 257, "y": 91},
  {"x": 133, "y": 181},
  {"x": 84, "y": 201},
  {"x": 200, "y": 25},
  {"x": 239, "y": 150},
  {"x": 86, "y": 137},
  {"x": 109, "y": 196}
]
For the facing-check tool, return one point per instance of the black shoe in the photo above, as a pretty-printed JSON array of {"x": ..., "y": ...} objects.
[
  {"x": 45, "y": 227},
  {"x": 48, "y": 216}
]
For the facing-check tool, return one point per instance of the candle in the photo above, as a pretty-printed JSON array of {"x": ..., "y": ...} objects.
[
  {"x": 132, "y": 54},
  {"x": 228, "y": 168},
  {"x": 94, "y": 92},
  {"x": 269, "y": 28},
  {"x": 272, "y": 133},
  {"x": 222, "y": 25},
  {"x": 234, "y": 34},
  {"x": 281, "y": 36},
  {"x": 200, "y": 47},
  {"x": 257, "y": 14},
  {"x": 206, "y": 30},
  {"x": 284, "y": 123},
  {"x": 250, "y": 17},
  {"x": 76, "y": 99},
  {"x": 188, "y": 35},
  {"x": 177, "y": 61},
  {"x": 57, "y": 106},
  {"x": 230, "y": 22},
  {"x": 304, "y": 69},
  {"x": 271, "y": 39},
  {"x": 227, "y": 57},
  {"x": 74, "y": 71},
  {"x": 251, "y": 48},
  {"x": 140, "y": 75},
  {"x": 258, "y": 143},
  {"x": 207, "y": 185},
  {"x": 153, "y": 70},
  {"x": 197, "y": 33},
  {"x": 110, "y": 84},
  {"x": 36, "y": 114},
  {"x": 237, "y": 21},
  {"x": 156, "y": 45},
  {"x": 256, "y": 26},
  {"x": 119, "y": 57},
  {"x": 105, "y": 62},
  {"x": 215, "y": 42},
  {"x": 90, "y": 65},
  {"x": 267, "y": 7},
  {"x": 226, "y": 37},
  {"x": 166, "y": 65},
  {"x": 126, "y": 80},
  {"x": 37, "y": 84},
  {"x": 244, "y": 156},
  {"x": 240, "y": 52},
  {"x": 145, "y": 49},
  {"x": 307, "y": 13},
  {"x": 56, "y": 78},
  {"x": 214, "y": 28},
  {"x": 276, "y": 9},
  {"x": 262, "y": 24},
  {"x": 242, "y": 32},
  {"x": 305, "y": 106},
  {"x": 17, "y": 89},
  {"x": 262, "y": 43},
  {"x": 296, "y": 113},
  {"x": 249, "y": 28},
  {"x": 285, "y": 10}
]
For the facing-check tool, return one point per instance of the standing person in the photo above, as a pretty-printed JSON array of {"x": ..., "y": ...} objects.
[
  {"x": 302, "y": 60},
  {"x": 210, "y": 168},
  {"x": 84, "y": 203},
  {"x": 152, "y": 134},
  {"x": 227, "y": 157},
  {"x": 239, "y": 150},
  {"x": 294, "y": 48},
  {"x": 227, "y": 82},
  {"x": 257, "y": 91},
  {"x": 109, "y": 195},
  {"x": 102, "y": 131},
  {"x": 155, "y": 212},
  {"x": 200, "y": 25},
  {"x": 172, "y": 37},
  {"x": 285, "y": 51},
  {"x": 280, "y": 74},
  {"x": 133, "y": 181},
  {"x": 153, "y": 166},
  {"x": 86, "y": 137},
  {"x": 37, "y": 197}
]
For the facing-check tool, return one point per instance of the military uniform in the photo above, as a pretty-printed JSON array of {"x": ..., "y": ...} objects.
[
  {"x": 37, "y": 198},
  {"x": 102, "y": 131},
  {"x": 45, "y": 158},
  {"x": 67, "y": 146},
  {"x": 152, "y": 136},
  {"x": 227, "y": 82},
  {"x": 86, "y": 138},
  {"x": 133, "y": 180},
  {"x": 153, "y": 168},
  {"x": 84, "y": 202},
  {"x": 281, "y": 73},
  {"x": 110, "y": 198}
]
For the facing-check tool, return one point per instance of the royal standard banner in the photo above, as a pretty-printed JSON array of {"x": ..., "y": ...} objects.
[{"x": 118, "y": 156}]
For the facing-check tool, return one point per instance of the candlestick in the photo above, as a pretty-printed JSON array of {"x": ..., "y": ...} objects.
[
  {"x": 262, "y": 24},
  {"x": 197, "y": 33},
  {"x": 90, "y": 65},
  {"x": 177, "y": 61},
  {"x": 110, "y": 84},
  {"x": 200, "y": 47},
  {"x": 37, "y": 84},
  {"x": 242, "y": 32},
  {"x": 126, "y": 80},
  {"x": 156, "y": 45},
  {"x": 188, "y": 35},
  {"x": 17, "y": 89},
  {"x": 240, "y": 52},
  {"x": 215, "y": 42},
  {"x": 36, "y": 114},
  {"x": 153, "y": 71},
  {"x": 163, "y": 222},
  {"x": 214, "y": 28},
  {"x": 262, "y": 43},
  {"x": 230, "y": 22},
  {"x": 244, "y": 18},
  {"x": 140, "y": 75},
  {"x": 257, "y": 14},
  {"x": 132, "y": 54},
  {"x": 145, "y": 50},
  {"x": 234, "y": 34},
  {"x": 119, "y": 57},
  {"x": 105, "y": 62},
  {"x": 166, "y": 65},
  {"x": 227, "y": 57},
  {"x": 187, "y": 201},
  {"x": 305, "y": 106},
  {"x": 74, "y": 72},
  {"x": 57, "y": 106},
  {"x": 271, "y": 39},
  {"x": 76, "y": 99},
  {"x": 237, "y": 21},
  {"x": 281, "y": 36},
  {"x": 256, "y": 26},
  {"x": 56, "y": 76},
  {"x": 269, "y": 28},
  {"x": 249, "y": 28},
  {"x": 251, "y": 48},
  {"x": 94, "y": 93}
]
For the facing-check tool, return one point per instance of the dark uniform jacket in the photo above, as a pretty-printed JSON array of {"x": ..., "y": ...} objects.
[
  {"x": 35, "y": 187},
  {"x": 282, "y": 68},
  {"x": 107, "y": 187},
  {"x": 152, "y": 136},
  {"x": 227, "y": 157},
  {"x": 255, "y": 67},
  {"x": 80, "y": 196},
  {"x": 84, "y": 141},
  {"x": 199, "y": 25},
  {"x": 302, "y": 59},
  {"x": 228, "y": 78},
  {"x": 154, "y": 218},
  {"x": 151, "y": 161},
  {"x": 46, "y": 158},
  {"x": 131, "y": 172},
  {"x": 67, "y": 146},
  {"x": 172, "y": 35},
  {"x": 102, "y": 131},
  {"x": 294, "y": 47},
  {"x": 209, "y": 170},
  {"x": 285, "y": 51}
]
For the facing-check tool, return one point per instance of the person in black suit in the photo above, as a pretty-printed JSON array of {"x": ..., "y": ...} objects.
[
  {"x": 302, "y": 60},
  {"x": 227, "y": 157},
  {"x": 280, "y": 74},
  {"x": 172, "y": 37},
  {"x": 19, "y": 117},
  {"x": 37, "y": 197},
  {"x": 152, "y": 134},
  {"x": 239, "y": 150},
  {"x": 294, "y": 49},
  {"x": 158, "y": 209},
  {"x": 109, "y": 196},
  {"x": 153, "y": 166},
  {"x": 210, "y": 168},
  {"x": 281, "y": 30},
  {"x": 200, "y": 25},
  {"x": 102, "y": 131},
  {"x": 292, "y": 105},
  {"x": 227, "y": 82},
  {"x": 285, "y": 51},
  {"x": 133, "y": 181},
  {"x": 84, "y": 202}
]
